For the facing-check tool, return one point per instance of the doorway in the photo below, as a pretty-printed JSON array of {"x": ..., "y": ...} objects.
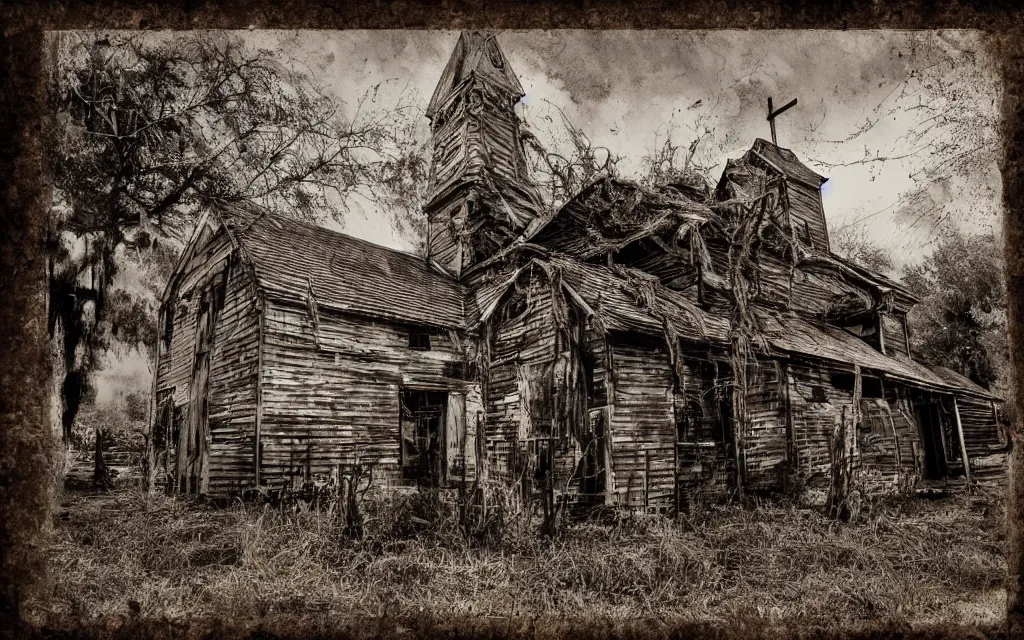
[
  {"x": 193, "y": 443},
  {"x": 929, "y": 416},
  {"x": 421, "y": 424}
]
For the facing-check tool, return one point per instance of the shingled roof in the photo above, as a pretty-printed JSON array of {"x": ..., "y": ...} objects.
[{"x": 345, "y": 273}]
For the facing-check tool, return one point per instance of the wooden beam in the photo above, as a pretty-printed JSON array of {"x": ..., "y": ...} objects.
[
  {"x": 774, "y": 113},
  {"x": 963, "y": 444},
  {"x": 881, "y": 333},
  {"x": 258, "y": 426}
]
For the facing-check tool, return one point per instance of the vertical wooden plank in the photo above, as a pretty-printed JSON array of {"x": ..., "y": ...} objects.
[
  {"x": 647, "y": 482},
  {"x": 257, "y": 442},
  {"x": 610, "y": 490},
  {"x": 960, "y": 436},
  {"x": 791, "y": 461},
  {"x": 881, "y": 333}
]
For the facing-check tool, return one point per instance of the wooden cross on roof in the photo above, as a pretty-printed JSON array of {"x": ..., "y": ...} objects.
[{"x": 772, "y": 114}]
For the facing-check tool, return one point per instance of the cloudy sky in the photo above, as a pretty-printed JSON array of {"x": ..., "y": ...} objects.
[
  {"x": 886, "y": 115},
  {"x": 904, "y": 124}
]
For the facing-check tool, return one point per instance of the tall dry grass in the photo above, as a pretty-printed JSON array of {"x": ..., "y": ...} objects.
[{"x": 123, "y": 555}]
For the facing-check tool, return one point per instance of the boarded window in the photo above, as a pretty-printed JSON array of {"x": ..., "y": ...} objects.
[
  {"x": 818, "y": 394},
  {"x": 420, "y": 341}
]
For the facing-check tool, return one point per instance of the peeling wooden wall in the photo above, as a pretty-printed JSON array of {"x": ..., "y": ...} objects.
[
  {"x": 888, "y": 446},
  {"x": 807, "y": 214},
  {"x": 331, "y": 395},
  {"x": 232, "y": 392},
  {"x": 764, "y": 440},
  {"x": 643, "y": 433},
  {"x": 519, "y": 386},
  {"x": 233, "y": 385},
  {"x": 815, "y": 414},
  {"x": 895, "y": 335},
  {"x": 985, "y": 440}
]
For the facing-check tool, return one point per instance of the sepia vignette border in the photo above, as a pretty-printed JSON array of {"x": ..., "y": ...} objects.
[{"x": 26, "y": 477}]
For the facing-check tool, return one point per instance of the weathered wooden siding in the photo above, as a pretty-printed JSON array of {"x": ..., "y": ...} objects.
[
  {"x": 643, "y": 433},
  {"x": 232, "y": 390},
  {"x": 817, "y": 407},
  {"x": 984, "y": 438},
  {"x": 520, "y": 385},
  {"x": 331, "y": 395},
  {"x": 234, "y": 369},
  {"x": 894, "y": 335},
  {"x": 764, "y": 440},
  {"x": 442, "y": 241},
  {"x": 807, "y": 214}
]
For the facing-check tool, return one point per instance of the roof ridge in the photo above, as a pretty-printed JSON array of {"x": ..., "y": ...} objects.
[{"x": 316, "y": 228}]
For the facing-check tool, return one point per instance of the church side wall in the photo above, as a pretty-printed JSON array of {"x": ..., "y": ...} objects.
[
  {"x": 643, "y": 433},
  {"x": 519, "y": 375},
  {"x": 331, "y": 393}
]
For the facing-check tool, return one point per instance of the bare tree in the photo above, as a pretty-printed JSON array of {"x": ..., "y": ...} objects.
[
  {"x": 146, "y": 133},
  {"x": 562, "y": 175},
  {"x": 953, "y": 143},
  {"x": 853, "y": 243}
]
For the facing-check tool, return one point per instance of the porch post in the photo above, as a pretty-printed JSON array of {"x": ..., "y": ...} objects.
[{"x": 960, "y": 435}]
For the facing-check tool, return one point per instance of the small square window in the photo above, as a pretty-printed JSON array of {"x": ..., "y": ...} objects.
[{"x": 419, "y": 341}]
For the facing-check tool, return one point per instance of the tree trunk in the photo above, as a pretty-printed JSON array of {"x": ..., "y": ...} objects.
[
  {"x": 55, "y": 402},
  {"x": 100, "y": 473},
  {"x": 1011, "y": 53}
]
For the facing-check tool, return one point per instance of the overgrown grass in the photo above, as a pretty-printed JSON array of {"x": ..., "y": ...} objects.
[{"x": 123, "y": 555}]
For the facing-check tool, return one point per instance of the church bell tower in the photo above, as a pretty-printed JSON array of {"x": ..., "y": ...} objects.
[{"x": 480, "y": 196}]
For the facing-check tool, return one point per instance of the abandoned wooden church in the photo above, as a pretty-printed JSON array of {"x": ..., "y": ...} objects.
[{"x": 635, "y": 346}]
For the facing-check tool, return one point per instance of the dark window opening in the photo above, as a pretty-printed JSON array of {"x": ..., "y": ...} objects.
[
  {"x": 421, "y": 424},
  {"x": 805, "y": 233},
  {"x": 705, "y": 414},
  {"x": 871, "y": 387},
  {"x": 420, "y": 341},
  {"x": 168, "y": 332},
  {"x": 515, "y": 307},
  {"x": 843, "y": 381}
]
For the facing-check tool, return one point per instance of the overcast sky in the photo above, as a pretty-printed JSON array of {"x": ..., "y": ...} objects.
[
  {"x": 628, "y": 89},
  {"x": 864, "y": 98}
]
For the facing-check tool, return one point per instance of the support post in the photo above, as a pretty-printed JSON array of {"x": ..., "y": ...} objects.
[{"x": 963, "y": 444}]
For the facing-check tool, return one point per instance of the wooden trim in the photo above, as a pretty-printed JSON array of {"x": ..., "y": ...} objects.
[
  {"x": 960, "y": 436},
  {"x": 824, "y": 220},
  {"x": 609, "y": 459},
  {"x": 906, "y": 335},
  {"x": 258, "y": 437},
  {"x": 153, "y": 408},
  {"x": 791, "y": 448},
  {"x": 881, "y": 332}
]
